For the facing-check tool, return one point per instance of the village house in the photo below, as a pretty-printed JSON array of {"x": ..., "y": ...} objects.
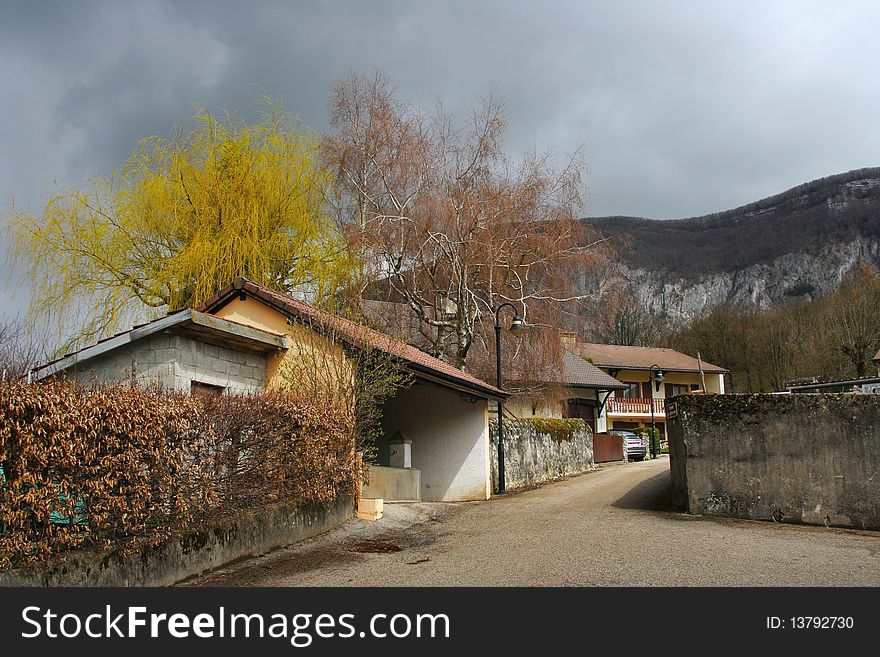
[
  {"x": 247, "y": 337},
  {"x": 651, "y": 376},
  {"x": 610, "y": 386},
  {"x": 573, "y": 389}
]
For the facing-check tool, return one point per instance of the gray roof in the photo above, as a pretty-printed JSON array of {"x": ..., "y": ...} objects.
[{"x": 576, "y": 371}]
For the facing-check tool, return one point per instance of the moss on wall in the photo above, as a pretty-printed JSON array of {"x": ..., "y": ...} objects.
[
  {"x": 558, "y": 429},
  {"x": 805, "y": 458},
  {"x": 542, "y": 449}
]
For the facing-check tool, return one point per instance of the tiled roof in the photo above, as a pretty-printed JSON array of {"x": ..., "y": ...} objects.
[
  {"x": 396, "y": 319},
  {"x": 355, "y": 334},
  {"x": 642, "y": 358},
  {"x": 576, "y": 371}
]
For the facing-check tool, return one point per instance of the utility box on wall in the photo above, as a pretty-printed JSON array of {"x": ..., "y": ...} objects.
[{"x": 399, "y": 451}]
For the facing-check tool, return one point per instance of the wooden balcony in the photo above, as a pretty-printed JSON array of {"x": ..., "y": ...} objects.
[{"x": 635, "y": 406}]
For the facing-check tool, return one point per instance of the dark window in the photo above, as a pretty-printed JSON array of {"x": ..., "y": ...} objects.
[
  {"x": 581, "y": 408},
  {"x": 673, "y": 389},
  {"x": 199, "y": 389},
  {"x": 633, "y": 391}
]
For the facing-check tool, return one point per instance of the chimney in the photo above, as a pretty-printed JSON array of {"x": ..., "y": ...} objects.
[{"x": 568, "y": 340}]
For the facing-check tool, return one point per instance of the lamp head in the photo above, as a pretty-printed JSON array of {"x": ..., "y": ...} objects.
[
  {"x": 660, "y": 375},
  {"x": 518, "y": 326}
]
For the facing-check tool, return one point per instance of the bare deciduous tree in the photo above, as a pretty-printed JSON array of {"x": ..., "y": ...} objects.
[
  {"x": 619, "y": 318},
  {"x": 834, "y": 337},
  {"x": 448, "y": 224},
  {"x": 855, "y": 319},
  {"x": 351, "y": 370},
  {"x": 22, "y": 347}
]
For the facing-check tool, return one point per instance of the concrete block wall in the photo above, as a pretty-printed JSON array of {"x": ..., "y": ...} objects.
[
  {"x": 174, "y": 361},
  {"x": 532, "y": 456},
  {"x": 393, "y": 484},
  {"x": 803, "y": 458}
]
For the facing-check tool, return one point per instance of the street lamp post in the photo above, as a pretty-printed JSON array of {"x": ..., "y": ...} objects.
[
  {"x": 656, "y": 376},
  {"x": 517, "y": 327}
]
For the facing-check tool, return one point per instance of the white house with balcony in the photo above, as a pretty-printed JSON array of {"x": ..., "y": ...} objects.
[
  {"x": 618, "y": 386},
  {"x": 651, "y": 375}
]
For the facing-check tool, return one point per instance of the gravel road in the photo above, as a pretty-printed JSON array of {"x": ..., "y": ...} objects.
[{"x": 608, "y": 527}]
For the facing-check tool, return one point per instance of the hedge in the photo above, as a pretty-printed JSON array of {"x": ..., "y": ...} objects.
[{"x": 110, "y": 466}]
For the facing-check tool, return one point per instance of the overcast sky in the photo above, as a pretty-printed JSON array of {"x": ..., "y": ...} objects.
[{"x": 682, "y": 108}]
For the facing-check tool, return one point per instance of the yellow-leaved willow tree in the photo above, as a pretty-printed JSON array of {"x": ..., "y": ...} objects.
[{"x": 182, "y": 218}]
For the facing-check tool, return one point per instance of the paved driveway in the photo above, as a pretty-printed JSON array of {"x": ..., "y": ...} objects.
[{"x": 609, "y": 527}]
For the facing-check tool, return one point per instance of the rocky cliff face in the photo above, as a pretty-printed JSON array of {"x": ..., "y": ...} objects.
[
  {"x": 790, "y": 276},
  {"x": 798, "y": 244}
]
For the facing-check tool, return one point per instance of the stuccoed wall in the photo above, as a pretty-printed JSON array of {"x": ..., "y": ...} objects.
[
  {"x": 790, "y": 458},
  {"x": 174, "y": 361},
  {"x": 450, "y": 441},
  {"x": 541, "y": 450}
]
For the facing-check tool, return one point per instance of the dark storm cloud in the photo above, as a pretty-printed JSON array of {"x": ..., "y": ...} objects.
[{"x": 682, "y": 108}]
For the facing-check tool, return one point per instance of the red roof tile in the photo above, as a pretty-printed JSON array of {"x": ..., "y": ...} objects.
[{"x": 357, "y": 335}]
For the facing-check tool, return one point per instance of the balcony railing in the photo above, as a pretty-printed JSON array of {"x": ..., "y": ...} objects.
[{"x": 635, "y": 406}]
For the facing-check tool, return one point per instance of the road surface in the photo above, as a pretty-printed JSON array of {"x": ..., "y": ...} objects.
[{"x": 610, "y": 527}]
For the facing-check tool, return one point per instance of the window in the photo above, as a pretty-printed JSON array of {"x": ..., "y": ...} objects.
[
  {"x": 636, "y": 390},
  {"x": 633, "y": 391},
  {"x": 200, "y": 389},
  {"x": 673, "y": 389}
]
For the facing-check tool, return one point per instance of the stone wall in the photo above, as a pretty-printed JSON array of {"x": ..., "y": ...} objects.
[
  {"x": 541, "y": 450},
  {"x": 248, "y": 533},
  {"x": 809, "y": 458},
  {"x": 174, "y": 361}
]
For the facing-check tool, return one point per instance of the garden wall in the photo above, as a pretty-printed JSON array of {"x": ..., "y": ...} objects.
[
  {"x": 189, "y": 553},
  {"x": 537, "y": 450},
  {"x": 810, "y": 458}
]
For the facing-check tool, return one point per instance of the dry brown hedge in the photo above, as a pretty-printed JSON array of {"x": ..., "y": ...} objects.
[{"x": 106, "y": 466}]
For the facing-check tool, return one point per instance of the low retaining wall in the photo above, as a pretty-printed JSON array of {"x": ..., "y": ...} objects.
[
  {"x": 541, "y": 450},
  {"x": 394, "y": 484},
  {"x": 809, "y": 458},
  {"x": 196, "y": 552}
]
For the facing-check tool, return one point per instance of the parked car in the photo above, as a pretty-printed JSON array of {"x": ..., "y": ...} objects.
[{"x": 636, "y": 445}]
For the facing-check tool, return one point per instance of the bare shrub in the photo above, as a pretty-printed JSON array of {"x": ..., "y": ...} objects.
[{"x": 107, "y": 466}]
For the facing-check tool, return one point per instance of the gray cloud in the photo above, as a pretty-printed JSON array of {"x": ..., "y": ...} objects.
[{"x": 682, "y": 108}]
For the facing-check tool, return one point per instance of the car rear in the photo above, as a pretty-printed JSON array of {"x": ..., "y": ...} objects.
[{"x": 636, "y": 447}]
